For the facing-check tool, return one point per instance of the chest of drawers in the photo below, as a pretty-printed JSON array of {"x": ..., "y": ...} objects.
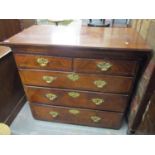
[{"x": 83, "y": 75}]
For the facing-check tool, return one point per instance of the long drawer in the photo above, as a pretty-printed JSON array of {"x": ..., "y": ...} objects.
[
  {"x": 77, "y": 116},
  {"x": 43, "y": 62},
  {"x": 68, "y": 80},
  {"x": 108, "y": 66},
  {"x": 81, "y": 99}
]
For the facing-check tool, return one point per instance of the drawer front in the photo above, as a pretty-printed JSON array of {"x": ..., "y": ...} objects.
[
  {"x": 79, "y": 99},
  {"x": 43, "y": 62},
  {"x": 102, "y": 83},
  {"x": 117, "y": 67},
  {"x": 77, "y": 116}
]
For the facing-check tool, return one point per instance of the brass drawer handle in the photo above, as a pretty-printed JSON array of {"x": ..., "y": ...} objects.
[
  {"x": 53, "y": 114},
  {"x": 100, "y": 83},
  {"x": 49, "y": 79},
  {"x": 74, "y": 111},
  {"x": 97, "y": 101},
  {"x": 73, "y": 76},
  {"x": 95, "y": 118},
  {"x": 104, "y": 66},
  {"x": 42, "y": 62},
  {"x": 51, "y": 96},
  {"x": 73, "y": 94}
]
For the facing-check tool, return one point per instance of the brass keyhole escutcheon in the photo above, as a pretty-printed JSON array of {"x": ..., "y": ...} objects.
[
  {"x": 74, "y": 111},
  {"x": 97, "y": 101},
  {"x": 73, "y": 94},
  {"x": 100, "y": 83},
  {"x": 104, "y": 66},
  {"x": 42, "y": 62},
  {"x": 53, "y": 114},
  {"x": 95, "y": 118},
  {"x": 51, "y": 96},
  {"x": 49, "y": 79},
  {"x": 73, "y": 77}
]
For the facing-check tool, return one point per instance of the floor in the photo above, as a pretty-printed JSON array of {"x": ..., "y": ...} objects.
[{"x": 25, "y": 124}]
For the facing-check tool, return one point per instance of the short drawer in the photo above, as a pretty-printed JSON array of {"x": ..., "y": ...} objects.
[
  {"x": 68, "y": 80},
  {"x": 79, "y": 99},
  {"x": 117, "y": 67},
  {"x": 43, "y": 62},
  {"x": 77, "y": 116}
]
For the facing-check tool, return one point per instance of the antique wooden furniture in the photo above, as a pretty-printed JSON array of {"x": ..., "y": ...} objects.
[
  {"x": 12, "y": 93},
  {"x": 147, "y": 124},
  {"x": 101, "y": 23},
  {"x": 142, "y": 112},
  {"x": 9, "y": 27},
  {"x": 141, "y": 119},
  {"x": 79, "y": 75},
  {"x": 12, "y": 96}
]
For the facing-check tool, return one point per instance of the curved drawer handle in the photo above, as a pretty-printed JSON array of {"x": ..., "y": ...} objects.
[
  {"x": 49, "y": 79},
  {"x": 95, "y": 118},
  {"x": 54, "y": 114},
  {"x": 51, "y": 96},
  {"x": 74, "y": 111},
  {"x": 100, "y": 83},
  {"x": 97, "y": 101},
  {"x": 42, "y": 62},
  {"x": 73, "y": 76},
  {"x": 104, "y": 66},
  {"x": 74, "y": 94}
]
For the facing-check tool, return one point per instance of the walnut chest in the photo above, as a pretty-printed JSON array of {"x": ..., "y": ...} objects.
[{"x": 79, "y": 75}]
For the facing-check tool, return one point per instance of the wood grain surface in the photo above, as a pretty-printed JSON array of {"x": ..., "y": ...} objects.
[
  {"x": 111, "y": 102},
  {"x": 107, "y": 119}
]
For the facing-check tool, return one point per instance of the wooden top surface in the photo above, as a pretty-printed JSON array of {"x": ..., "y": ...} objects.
[
  {"x": 4, "y": 51},
  {"x": 82, "y": 36}
]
